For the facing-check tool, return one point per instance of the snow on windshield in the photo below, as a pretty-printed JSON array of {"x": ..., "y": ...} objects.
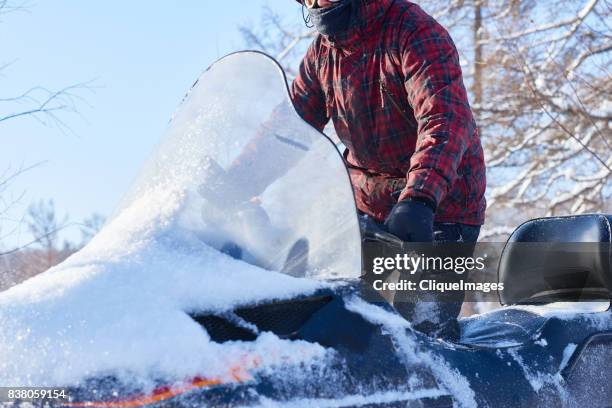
[
  {"x": 254, "y": 175},
  {"x": 118, "y": 306}
]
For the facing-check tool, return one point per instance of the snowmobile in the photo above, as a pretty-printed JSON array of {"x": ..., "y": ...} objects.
[{"x": 263, "y": 186}]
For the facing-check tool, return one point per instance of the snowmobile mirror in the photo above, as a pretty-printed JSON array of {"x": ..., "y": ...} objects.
[{"x": 558, "y": 259}]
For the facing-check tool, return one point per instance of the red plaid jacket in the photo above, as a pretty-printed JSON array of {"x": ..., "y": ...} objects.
[{"x": 393, "y": 87}]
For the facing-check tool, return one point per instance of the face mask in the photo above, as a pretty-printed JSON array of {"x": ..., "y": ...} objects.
[{"x": 332, "y": 20}]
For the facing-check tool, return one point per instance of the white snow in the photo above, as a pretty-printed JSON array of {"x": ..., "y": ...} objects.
[
  {"x": 119, "y": 306},
  {"x": 452, "y": 381},
  {"x": 567, "y": 354},
  {"x": 536, "y": 379}
]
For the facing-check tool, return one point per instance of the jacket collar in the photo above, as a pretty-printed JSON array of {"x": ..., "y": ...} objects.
[{"x": 368, "y": 19}]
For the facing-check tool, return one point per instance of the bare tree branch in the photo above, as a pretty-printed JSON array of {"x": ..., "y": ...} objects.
[{"x": 45, "y": 105}]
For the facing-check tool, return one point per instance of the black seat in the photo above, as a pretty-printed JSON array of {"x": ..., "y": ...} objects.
[{"x": 558, "y": 259}]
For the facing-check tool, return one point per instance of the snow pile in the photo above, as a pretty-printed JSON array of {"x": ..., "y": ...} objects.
[{"x": 118, "y": 306}]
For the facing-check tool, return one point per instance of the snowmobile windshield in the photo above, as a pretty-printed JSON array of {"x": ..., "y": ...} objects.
[{"x": 240, "y": 170}]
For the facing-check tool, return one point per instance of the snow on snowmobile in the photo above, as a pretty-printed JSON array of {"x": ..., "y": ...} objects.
[{"x": 295, "y": 213}]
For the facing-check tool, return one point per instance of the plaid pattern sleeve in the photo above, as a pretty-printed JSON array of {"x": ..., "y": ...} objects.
[
  {"x": 445, "y": 125},
  {"x": 307, "y": 94}
]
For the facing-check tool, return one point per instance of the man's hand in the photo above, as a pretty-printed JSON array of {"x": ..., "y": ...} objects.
[{"x": 411, "y": 220}]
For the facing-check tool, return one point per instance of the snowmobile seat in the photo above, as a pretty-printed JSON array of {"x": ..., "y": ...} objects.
[
  {"x": 514, "y": 326},
  {"x": 558, "y": 259}
]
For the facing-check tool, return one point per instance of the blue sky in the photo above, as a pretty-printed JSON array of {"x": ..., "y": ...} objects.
[{"x": 143, "y": 56}]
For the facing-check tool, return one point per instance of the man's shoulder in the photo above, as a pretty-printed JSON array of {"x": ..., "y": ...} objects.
[{"x": 408, "y": 16}]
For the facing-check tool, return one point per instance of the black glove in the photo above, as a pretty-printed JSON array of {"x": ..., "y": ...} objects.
[{"x": 411, "y": 220}]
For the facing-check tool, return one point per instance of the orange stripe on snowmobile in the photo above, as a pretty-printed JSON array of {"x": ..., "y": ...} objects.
[{"x": 237, "y": 373}]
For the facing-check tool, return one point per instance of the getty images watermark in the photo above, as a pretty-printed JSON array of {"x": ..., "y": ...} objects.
[
  {"x": 507, "y": 273},
  {"x": 433, "y": 272},
  {"x": 412, "y": 265}
]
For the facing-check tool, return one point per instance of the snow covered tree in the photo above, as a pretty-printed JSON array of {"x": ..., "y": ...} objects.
[{"x": 545, "y": 112}]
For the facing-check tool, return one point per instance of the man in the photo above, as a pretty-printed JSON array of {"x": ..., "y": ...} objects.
[{"x": 388, "y": 76}]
